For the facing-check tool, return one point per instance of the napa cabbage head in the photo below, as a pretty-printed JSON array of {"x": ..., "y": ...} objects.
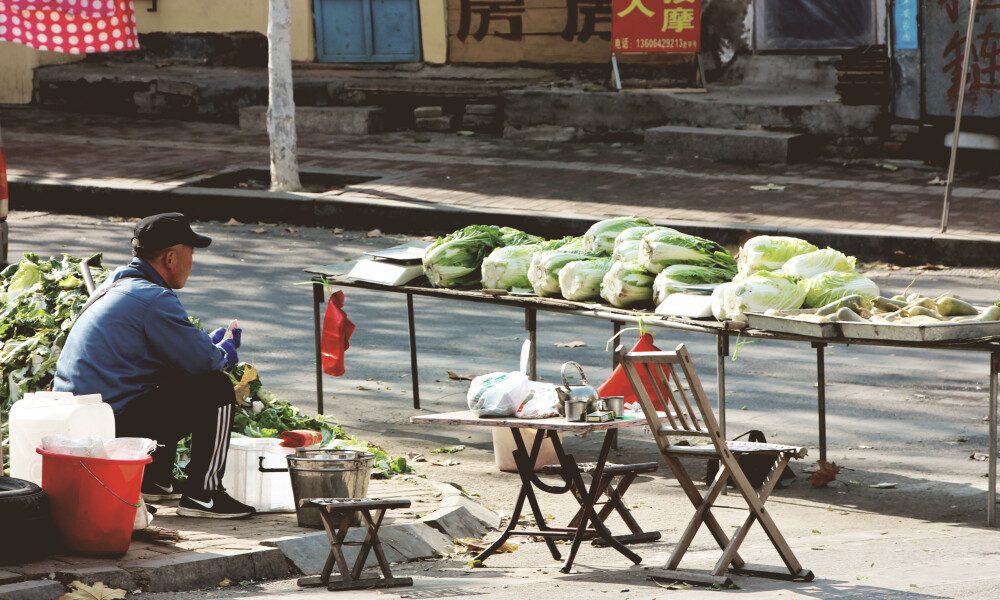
[
  {"x": 601, "y": 235},
  {"x": 673, "y": 279},
  {"x": 627, "y": 285},
  {"x": 454, "y": 260},
  {"x": 757, "y": 293},
  {"x": 507, "y": 268},
  {"x": 770, "y": 252},
  {"x": 543, "y": 272},
  {"x": 827, "y": 287},
  {"x": 580, "y": 280},
  {"x": 636, "y": 233},
  {"x": 819, "y": 261},
  {"x": 660, "y": 249}
]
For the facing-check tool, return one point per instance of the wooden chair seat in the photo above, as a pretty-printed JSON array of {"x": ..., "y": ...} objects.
[
  {"x": 654, "y": 376},
  {"x": 337, "y": 514}
]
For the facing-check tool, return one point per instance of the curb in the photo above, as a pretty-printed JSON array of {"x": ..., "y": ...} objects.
[{"x": 355, "y": 211}]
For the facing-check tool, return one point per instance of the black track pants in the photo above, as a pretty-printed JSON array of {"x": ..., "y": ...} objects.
[{"x": 200, "y": 405}]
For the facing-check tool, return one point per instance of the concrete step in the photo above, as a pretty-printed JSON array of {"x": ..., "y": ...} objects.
[
  {"x": 345, "y": 120},
  {"x": 730, "y": 144}
]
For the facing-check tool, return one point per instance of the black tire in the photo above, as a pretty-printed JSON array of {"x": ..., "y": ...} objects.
[{"x": 24, "y": 517}]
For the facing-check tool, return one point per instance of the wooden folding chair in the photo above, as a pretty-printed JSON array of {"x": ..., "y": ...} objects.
[{"x": 682, "y": 418}]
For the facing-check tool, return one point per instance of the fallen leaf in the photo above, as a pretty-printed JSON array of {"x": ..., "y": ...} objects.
[
  {"x": 863, "y": 447},
  {"x": 291, "y": 230},
  {"x": 478, "y": 545},
  {"x": 672, "y": 585},
  {"x": 465, "y": 132},
  {"x": 887, "y": 166},
  {"x": 445, "y": 463},
  {"x": 770, "y": 187},
  {"x": 338, "y": 231},
  {"x": 98, "y": 591},
  {"x": 260, "y": 230},
  {"x": 225, "y": 583},
  {"x": 460, "y": 376},
  {"x": 937, "y": 181},
  {"x": 242, "y": 388},
  {"x": 931, "y": 267},
  {"x": 979, "y": 456},
  {"x": 232, "y": 223},
  {"x": 374, "y": 233},
  {"x": 826, "y": 473},
  {"x": 415, "y": 457},
  {"x": 448, "y": 450},
  {"x": 882, "y": 486},
  {"x": 573, "y": 344}
]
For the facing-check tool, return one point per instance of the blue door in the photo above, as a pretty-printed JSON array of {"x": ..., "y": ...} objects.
[{"x": 367, "y": 30}]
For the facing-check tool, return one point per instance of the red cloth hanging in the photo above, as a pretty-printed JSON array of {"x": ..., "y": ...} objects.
[
  {"x": 618, "y": 385},
  {"x": 73, "y": 28},
  {"x": 337, "y": 330}
]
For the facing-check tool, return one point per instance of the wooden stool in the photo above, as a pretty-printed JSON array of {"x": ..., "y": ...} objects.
[
  {"x": 614, "y": 493},
  {"x": 337, "y": 514}
]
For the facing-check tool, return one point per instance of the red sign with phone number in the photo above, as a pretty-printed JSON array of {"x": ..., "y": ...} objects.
[{"x": 655, "y": 26}]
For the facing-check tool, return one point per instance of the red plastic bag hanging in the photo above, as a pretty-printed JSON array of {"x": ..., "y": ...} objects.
[
  {"x": 618, "y": 385},
  {"x": 337, "y": 330}
]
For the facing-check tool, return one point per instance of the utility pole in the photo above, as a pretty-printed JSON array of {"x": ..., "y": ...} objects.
[{"x": 281, "y": 100}]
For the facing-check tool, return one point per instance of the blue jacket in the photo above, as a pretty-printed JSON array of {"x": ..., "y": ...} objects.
[{"x": 134, "y": 337}]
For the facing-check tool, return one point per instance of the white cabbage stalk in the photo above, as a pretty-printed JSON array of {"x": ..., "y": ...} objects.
[
  {"x": 820, "y": 261},
  {"x": 543, "y": 272},
  {"x": 627, "y": 251},
  {"x": 757, "y": 293},
  {"x": 827, "y": 287},
  {"x": 507, "y": 268},
  {"x": 581, "y": 280},
  {"x": 626, "y": 285},
  {"x": 770, "y": 252},
  {"x": 601, "y": 235}
]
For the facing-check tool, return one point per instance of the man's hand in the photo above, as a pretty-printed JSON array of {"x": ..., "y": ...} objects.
[
  {"x": 220, "y": 333},
  {"x": 230, "y": 347}
]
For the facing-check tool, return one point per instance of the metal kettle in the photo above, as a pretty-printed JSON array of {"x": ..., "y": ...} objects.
[{"x": 577, "y": 393}]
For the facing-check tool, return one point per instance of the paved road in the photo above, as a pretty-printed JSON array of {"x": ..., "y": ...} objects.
[{"x": 895, "y": 416}]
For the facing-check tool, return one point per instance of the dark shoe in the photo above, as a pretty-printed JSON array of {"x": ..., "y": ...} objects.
[
  {"x": 213, "y": 504},
  {"x": 153, "y": 492}
]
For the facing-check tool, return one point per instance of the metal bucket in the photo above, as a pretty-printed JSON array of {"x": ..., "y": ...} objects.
[{"x": 328, "y": 474}]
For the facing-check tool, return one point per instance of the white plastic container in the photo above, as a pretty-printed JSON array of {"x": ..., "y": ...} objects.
[
  {"x": 503, "y": 449},
  {"x": 43, "y": 413},
  {"x": 267, "y": 491}
]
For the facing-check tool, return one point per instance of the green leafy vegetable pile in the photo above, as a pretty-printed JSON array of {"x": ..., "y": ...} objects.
[{"x": 38, "y": 301}]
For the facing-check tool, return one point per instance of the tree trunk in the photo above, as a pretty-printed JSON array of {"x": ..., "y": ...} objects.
[{"x": 281, "y": 101}]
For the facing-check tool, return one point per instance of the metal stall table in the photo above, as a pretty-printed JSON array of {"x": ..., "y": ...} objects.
[{"x": 334, "y": 275}]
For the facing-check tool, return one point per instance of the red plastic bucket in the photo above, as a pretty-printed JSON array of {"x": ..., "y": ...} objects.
[{"x": 93, "y": 500}]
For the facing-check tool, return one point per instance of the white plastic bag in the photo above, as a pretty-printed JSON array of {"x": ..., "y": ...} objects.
[
  {"x": 542, "y": 401},
  {"x": 129, "y": 448},
  {"x": 498, "y": 394},
  {"x": 142, "y": 516},
  {"x": 91, "y": 446}
]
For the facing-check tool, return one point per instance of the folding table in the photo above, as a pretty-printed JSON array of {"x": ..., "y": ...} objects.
[{"x": 571, "y": 474}]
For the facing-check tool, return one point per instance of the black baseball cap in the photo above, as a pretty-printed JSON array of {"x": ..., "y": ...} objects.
[{"x": 165, "y": 230}]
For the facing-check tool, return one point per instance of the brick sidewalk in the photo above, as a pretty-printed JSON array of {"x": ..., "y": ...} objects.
[{"x": 484, "y": 175}]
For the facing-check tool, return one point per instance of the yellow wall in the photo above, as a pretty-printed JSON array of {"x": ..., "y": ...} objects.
[
  {"x": 433, "y": 31},
  {"x": 192, "y": 16},
  {"x": 16, "y": 64}
]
